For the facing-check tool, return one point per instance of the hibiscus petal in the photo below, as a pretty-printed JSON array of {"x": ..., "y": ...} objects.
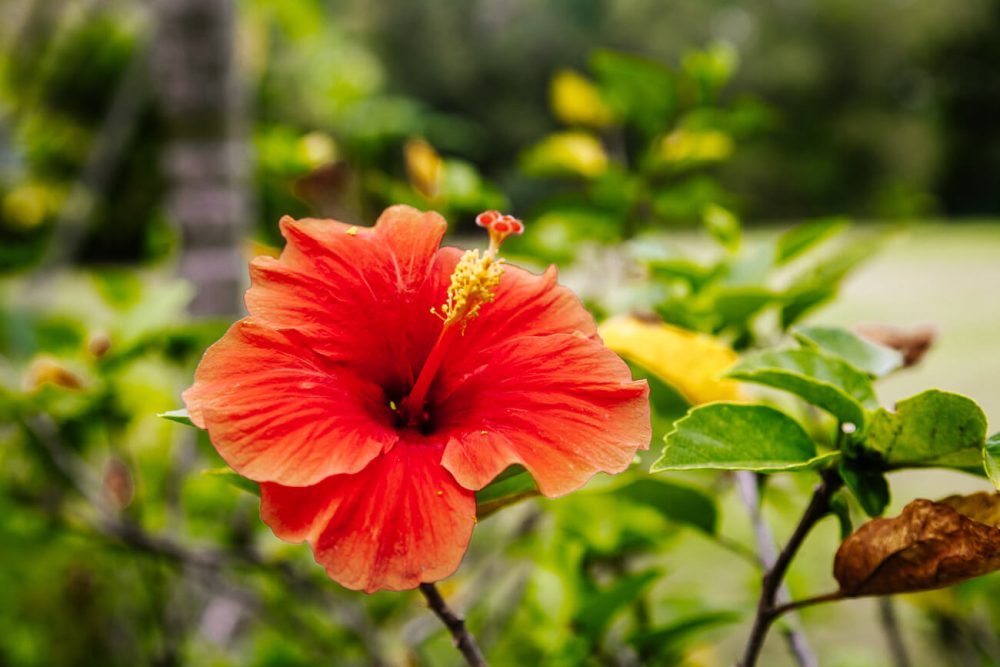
[
  {"x": 275, "y": 411},
  {"x": 353, "y": 291},
  {"x": 563, "y": 406},
  {"x": 401, "y": 521}
]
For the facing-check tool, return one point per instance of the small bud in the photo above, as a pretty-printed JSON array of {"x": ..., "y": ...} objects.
[
  {"x": 119, "y": 486},
  {"x": 98, "y": 344}
]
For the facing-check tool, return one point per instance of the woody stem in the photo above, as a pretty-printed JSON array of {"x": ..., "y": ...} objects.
[
  {"x": 464, "y": 641},
  {"x": 819, "y": 507}
]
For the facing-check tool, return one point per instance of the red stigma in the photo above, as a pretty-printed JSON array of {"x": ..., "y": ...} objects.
[
  {"x": 500, "y": 226},
  {"x": 487, "y": 218}
]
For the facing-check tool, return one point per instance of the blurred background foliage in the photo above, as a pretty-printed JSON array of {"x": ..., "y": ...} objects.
[{"x": 680, "y": 159}]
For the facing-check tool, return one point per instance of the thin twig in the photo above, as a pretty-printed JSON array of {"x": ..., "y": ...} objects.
[
  {"x": 819, "y": 506},
  {"x": 767, "y": 554},
  {"x": 464, "y": 641},
  {"x": 789, "y": 607},
  {"x": 890, "y": 626}
]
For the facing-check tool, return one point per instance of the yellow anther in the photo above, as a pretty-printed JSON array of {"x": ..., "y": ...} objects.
[
  {"x": 473, "y": 284},
  {"x": 352, "y": 231}
]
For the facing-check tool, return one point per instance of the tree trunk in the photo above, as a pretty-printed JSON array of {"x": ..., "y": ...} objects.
[{"x": 207, "y": 157}]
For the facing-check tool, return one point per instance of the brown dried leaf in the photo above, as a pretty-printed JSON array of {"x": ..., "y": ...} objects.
[
  {"x": 930, "y": 545},
  {"x": 913, "y": 342}
]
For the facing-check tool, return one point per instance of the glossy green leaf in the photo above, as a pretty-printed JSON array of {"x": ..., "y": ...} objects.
[
  {"x": 930, "y": 428},
  {"x": 734, "y": 436},
  {"x": 232, "y": 477},
  {"x": 675, "y": 502},
  {"x": 869, "y": 487},
  {"x": 872, "y": 358},
  {"x": 824, "y": 381},
  {"x": 802, "y": 238},
  {"x": 991, "y": 459},
  {"x": 511, "y": 486},
  {"x": 180, "y": 416}
]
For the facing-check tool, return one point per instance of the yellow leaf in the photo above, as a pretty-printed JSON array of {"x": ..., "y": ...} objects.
[
  {"x": 567, "y": 153},
  {"x": 576, "y": 101},
  {"x": 690, "y": 362},
  {"x": 423, "y": 166},
  {"x": 27, "y": 205},
  {"x": 695, "y": 146}
]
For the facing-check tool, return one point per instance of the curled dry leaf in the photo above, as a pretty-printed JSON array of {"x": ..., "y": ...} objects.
[
  {"x": 930, "y": 545},
  {"x": 913, "y": 343}
]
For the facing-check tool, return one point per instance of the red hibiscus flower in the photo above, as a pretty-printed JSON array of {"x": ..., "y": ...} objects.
[{"x": 380, "y": 380}]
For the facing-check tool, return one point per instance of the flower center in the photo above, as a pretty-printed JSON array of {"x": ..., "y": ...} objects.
[{"x": 473, "y": 285}]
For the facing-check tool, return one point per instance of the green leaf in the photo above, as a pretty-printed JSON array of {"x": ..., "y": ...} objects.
[
  {"x": 600, "y": 608},
  {"x": 872, "y": 358},
  {"x": 734, "y": 436},
  {"x": 868, "y": 486},
  {"x": 232, "y": 477},
  {"x": 801, "y": 238},
  {"x": 991, "y": 459},
  {"x": 928, "y": 429},
  {"x": 642, "y": 91},
  {"x": 821, "y": 281},
  {"x": 824, "y": 381},
  {"x": 735, "y": 304},
  {"x": 723, "y": 226},
  {"x": 180, "y": 416},
  {"x": 675, "y": 502},
  {"x": 680, "y": 268},
  {"x": 801, "y": 301},
  {"x": 512, "y": 485}
]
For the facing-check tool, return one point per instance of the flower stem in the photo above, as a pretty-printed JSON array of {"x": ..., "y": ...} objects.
[
  {"x": 818, "y": 507},
  {"x": 464, "y": 641}
]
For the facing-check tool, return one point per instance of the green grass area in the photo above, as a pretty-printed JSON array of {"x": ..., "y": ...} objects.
[{"x": 947, "y": 275}]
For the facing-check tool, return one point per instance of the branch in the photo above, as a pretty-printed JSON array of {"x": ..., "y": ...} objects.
[
  {"x": 767, "y": 554},
  {"x": 818, "y": 507},
  {"x": 789, "y": 607},
  {"x": 464, "y": 641},
  {"x": 890, "y": 625}
]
